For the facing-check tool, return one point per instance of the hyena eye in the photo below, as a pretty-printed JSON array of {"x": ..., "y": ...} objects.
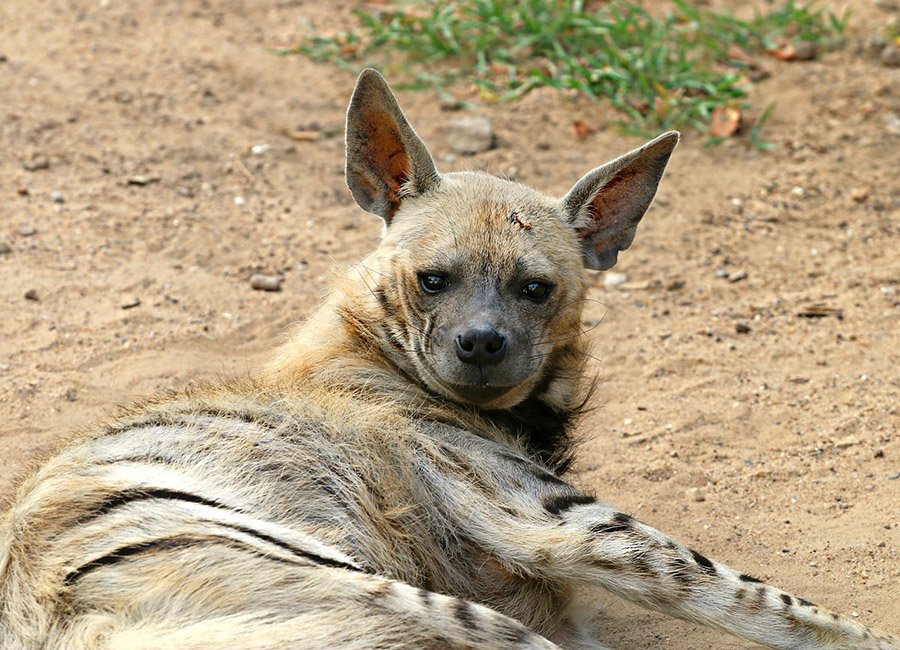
[
  {"x": 432, "y": 282},
  {"x": 536, "y": 290}
]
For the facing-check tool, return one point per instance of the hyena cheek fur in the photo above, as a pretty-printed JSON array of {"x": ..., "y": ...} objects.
[{"x": 392, "y": 478}]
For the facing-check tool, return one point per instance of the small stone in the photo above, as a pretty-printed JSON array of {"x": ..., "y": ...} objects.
[
  {"x": 140, "y": 180},
  {"x": 239, "y": 200},
  {"x": 260, "y": 149},
  {"x": 32, "y": 294},
  {"x": 873, "y": 46},
  {"x": 5, "y": 248},
  {"x": 36, "y": 162},
  {"x": 695, "y": 494},
  {"x": 737, "y": 276},
  {"x": 611, "y": 279},
  {"x": 27, "y": 231},
  {"x": 849, "y": 441},
  {"x": 675, "y": 285},
  {"x": 805, "y": 51},
  {"x": 57, "y": 197},
  {"x": 470, "y": 134},
  {"x": 742, "y": 328},
  {"x": 722, "y": 272},
  {"x": 71, "y": 394},
  {"x": 859, "y": 194},
  {"x": 130, "y": 302},
  {"x": 263, "y": 282},
  {"x": 890, "y": 56},
  {"x": 879, "y": 453}
]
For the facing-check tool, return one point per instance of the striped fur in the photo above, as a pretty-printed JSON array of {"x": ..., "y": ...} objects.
[{"x": 349, "y": 495}]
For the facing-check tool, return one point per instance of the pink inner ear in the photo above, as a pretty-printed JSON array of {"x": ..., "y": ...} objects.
[
  {"x": 611, "y": 207},
  {"x": 394, "y": 168}
]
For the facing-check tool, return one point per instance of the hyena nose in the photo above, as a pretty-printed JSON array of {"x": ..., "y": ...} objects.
[{"x": 483, "y": 346}]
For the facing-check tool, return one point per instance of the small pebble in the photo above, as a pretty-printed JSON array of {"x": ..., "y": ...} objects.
[
  {"x": 611, "y": 279},
  {"x": 32, "y": 294},
  {"x": 263, "y": 282},
  {"x": 859, "y": 194},
  {"x": 470, "y": 134},
  {"x": 239, "y": 200},
  {"x": 71, "y": 394},
  {"x": 737, "y": 276},
  {"x": 5, "y": 248},
  {"x": 742, "y": 328},
  {"x": 140, "y": 180},
  {"x": 260, "y": 149},
  {"x": 890, "y": 56},
  {"x": 695, "y": 494},
  {"x": 805, "y": 51},
  {"x": 675, "y": 285},
  {"x": 27, "y": 231},
  {"x": 57, "y": 197},
  {"x": 37, "y": 162}
]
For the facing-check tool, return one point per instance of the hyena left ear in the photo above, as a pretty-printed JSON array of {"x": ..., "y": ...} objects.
[
  {"x": 607, "y": 204},
  {"x": 386, "y": 160}
]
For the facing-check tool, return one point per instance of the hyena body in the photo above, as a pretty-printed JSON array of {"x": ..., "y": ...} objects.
[{"x": 391, "y": 479}]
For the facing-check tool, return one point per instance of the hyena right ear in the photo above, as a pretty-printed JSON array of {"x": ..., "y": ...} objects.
[
  {"x": 386, "y": 160},
  {"x": 607, "y": 204}
]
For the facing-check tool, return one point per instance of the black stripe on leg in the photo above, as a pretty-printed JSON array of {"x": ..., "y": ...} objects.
[
  {"x": 126, "y": 552},
  {"x": 705, "y": 563},
  {"x": 464, "y": 614},
  {"x": 805, "y": 602},
  {"x": 141, "y": 494},
  {"x": 621, "y": 523},
  {"x": 787, "y": 600},
  {"x": 560, "y": 503},
  {"x": 299, "y": 552},
  {"x": 745, "y": 578}
]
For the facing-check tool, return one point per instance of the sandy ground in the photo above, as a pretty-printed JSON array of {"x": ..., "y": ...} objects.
[{"x": 765, "y": 438}]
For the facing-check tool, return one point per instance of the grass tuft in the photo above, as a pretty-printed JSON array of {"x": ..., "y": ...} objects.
[{"x": 659, "y": 70}]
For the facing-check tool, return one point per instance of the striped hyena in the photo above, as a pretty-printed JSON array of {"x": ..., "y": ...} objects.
[{"x": 391, "y": 479}]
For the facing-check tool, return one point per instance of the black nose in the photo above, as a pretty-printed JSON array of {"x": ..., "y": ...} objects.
[{"x": 483, "y": 346}]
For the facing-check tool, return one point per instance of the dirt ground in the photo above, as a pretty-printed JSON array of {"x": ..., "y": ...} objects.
[{"x": 766, "y": 438}]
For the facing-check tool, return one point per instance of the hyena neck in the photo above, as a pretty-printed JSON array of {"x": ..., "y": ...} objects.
[{"x": 342, "y": 348}]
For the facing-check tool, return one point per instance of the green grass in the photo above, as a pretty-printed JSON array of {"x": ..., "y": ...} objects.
[{"x": 659, "y": 71}]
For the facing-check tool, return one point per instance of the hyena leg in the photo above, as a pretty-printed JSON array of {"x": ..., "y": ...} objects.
[
  {"x": 539, "y": 526},
  {"x": 339, "y": 609}
]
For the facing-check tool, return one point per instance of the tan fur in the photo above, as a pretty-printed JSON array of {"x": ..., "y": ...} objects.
[{"x": 382, "y": 483}]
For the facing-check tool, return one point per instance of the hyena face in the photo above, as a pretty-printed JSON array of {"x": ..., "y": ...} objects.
[
  {"x": 489, "y": 275},
  {"x": 480, "y": 280}
]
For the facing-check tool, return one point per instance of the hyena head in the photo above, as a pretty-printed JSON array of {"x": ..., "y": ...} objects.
[{"x": 478, "y": 283}]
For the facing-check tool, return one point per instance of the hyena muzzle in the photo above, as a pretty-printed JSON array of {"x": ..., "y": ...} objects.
[{"x": 391, "y": 479}]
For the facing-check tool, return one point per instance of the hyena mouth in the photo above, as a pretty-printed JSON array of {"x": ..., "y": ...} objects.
[{"x": 480, "y": 393}]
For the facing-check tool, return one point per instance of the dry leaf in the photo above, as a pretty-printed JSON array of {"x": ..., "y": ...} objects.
[
  {"x": 724, "y": 122},
  {"x": 581, "y": 130},
  {"x": 786, "y": 52}
]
